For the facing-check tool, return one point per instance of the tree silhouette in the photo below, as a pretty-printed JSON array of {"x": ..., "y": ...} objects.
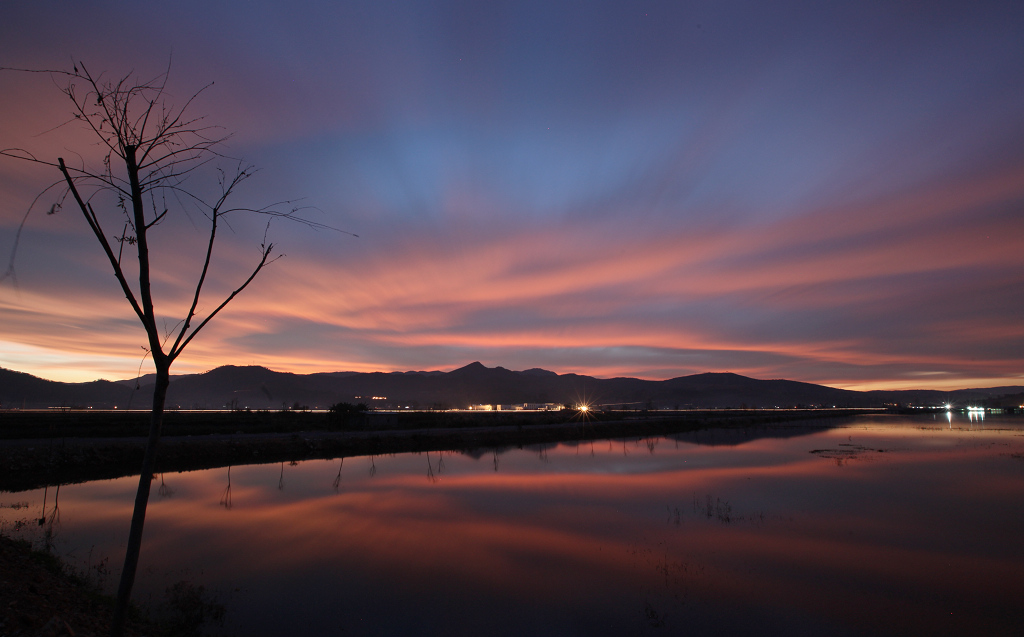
[{"x": 149, "y": 153}]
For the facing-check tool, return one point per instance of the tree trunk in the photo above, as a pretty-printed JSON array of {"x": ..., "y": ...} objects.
[{"x": 131, "y": 556}]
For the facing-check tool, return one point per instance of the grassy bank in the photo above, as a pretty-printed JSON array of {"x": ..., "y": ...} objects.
[{"x": 40, "y": 596}]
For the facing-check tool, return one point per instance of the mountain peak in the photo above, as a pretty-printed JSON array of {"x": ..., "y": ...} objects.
[{"x": 473, "y": 368}]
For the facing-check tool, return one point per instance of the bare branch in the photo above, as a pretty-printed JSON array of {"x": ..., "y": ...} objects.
[
  {"x": 263, "y": 261},
  {"x": 21, "y": 153},
  {"x": 163, "y": 85},
  {"x": 156, "y": 220},
  {"x": 198, "y": 291},
  {"x": 9, "y": 272},
  {"x": 94, "y": 224}
]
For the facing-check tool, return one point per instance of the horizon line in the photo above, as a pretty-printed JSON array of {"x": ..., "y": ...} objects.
[{"x": 442, "y": 371}]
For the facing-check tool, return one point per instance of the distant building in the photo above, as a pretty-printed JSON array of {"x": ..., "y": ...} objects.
[{"x": 518, "y": 407}]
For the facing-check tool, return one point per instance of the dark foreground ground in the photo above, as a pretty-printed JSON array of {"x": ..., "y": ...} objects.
[
  {"x": 40, "y": 449},
  {"x": 38, "y": 597}
]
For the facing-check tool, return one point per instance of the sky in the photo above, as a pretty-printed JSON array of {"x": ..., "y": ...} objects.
[{"x": 824, "y": 192}]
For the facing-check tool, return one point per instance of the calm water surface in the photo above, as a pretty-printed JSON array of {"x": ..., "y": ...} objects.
[{"x": 884, "y": 525}]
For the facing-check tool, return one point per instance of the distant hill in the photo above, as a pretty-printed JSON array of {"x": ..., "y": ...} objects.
[
  {"x": 20, "y": 390},
  {"x": 260, "y": 388}
]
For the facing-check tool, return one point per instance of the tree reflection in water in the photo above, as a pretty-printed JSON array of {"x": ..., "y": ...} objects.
[
  {"x": 651, "y": 444},
  {"x": 430, "y": 470},
  {"x": 52, "y": 522},
  {"x": 225, "y": 501},
  {"x": 440, "y": 467},
  {"x": 337, "y": 478},
  {"x": 164, "y": 490},
  {"x": 42, "y": 513}
]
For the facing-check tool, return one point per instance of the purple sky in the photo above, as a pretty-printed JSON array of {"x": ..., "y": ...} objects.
[{"x": 652, "y": 189}]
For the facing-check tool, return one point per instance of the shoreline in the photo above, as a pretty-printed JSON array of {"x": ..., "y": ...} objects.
[{"x": 30, "y": 463}]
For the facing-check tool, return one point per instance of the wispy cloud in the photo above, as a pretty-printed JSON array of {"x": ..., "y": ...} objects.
[{"x": 826, "y": 195}]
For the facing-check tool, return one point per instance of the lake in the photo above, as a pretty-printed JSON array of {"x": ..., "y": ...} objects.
[{"x": 881, "y": 525}]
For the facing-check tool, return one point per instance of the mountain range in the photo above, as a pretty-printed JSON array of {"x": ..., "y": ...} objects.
[{"x": 261, "y": 388}]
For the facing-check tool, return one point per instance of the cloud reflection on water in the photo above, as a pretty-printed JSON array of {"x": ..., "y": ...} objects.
[{"x": 913, "y": 532}]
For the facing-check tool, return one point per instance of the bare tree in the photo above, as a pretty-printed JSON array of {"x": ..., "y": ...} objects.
[{"x": 148, "y": 151}]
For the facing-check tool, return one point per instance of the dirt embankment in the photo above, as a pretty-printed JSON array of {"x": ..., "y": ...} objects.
[{"x": 28, "y": 463}]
